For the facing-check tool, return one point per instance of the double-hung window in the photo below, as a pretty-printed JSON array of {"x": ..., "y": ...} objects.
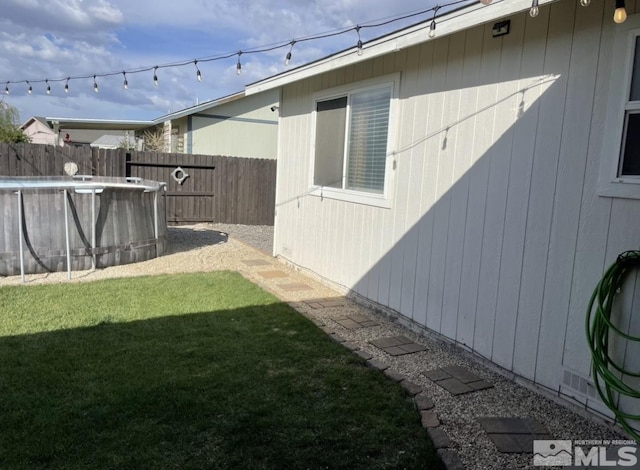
[
  {"x": 620, "y": 166},
  {"x": 352, "y": 142},
  {"x": 630, "y": 154}
]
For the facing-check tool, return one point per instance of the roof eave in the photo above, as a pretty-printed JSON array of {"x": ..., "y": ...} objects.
[{"x": 453, "y": 22}]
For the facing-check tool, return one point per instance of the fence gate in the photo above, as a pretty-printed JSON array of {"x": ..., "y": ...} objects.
[{"x": 190, "y": 182}]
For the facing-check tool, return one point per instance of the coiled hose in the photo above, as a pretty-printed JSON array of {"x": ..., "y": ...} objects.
[{"x": 609, "y": 375}]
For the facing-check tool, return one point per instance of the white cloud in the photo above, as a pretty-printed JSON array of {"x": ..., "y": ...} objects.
[{"x": 59, "y": 38}]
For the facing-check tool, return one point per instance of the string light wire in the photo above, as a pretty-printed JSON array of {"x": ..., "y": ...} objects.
[{"x": 283, "y": 44}]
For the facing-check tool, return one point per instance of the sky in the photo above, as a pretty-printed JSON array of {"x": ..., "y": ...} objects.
[{"x": 53, "y": 39}]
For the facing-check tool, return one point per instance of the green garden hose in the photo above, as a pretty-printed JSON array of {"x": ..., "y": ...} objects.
[{"x": 609, "y": 375}]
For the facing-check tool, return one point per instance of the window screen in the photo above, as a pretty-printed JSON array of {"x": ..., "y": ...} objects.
[{"x": 331, "y": 118}]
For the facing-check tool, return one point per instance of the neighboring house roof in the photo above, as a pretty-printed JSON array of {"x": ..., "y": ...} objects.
[
  {"x": 466, "y": 17},
  {"x": 39, "y": 119},
  {"x": 108, "y": 141},
  {"x": 101, "y": 124},
  {"x": 200, "y": 107}
]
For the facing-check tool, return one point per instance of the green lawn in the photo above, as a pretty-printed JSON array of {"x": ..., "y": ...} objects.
[{"x": 189, "y": 371}]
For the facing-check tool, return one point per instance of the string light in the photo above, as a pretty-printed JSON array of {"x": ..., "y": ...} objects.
[
  {"x": 198, "y": 73},
  {"x": 432, "y": 27},
  {"x": 30, "y": 90},
  {"x": 48, "y": 86},
  {"x": 287, "y": 59},
  {"x": 535, "y": 9},
  {"x": 620, "y": 15}
]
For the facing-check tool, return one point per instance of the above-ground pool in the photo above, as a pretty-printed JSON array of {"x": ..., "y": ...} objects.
[{"x": 82, "y": 222}]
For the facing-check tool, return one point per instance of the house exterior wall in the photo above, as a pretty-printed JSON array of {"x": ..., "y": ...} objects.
[
  {"x": 496, "y": 235},
  {"x": 242, "y": 128}
]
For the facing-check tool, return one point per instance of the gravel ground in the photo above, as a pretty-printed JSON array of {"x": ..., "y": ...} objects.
[
  {"x": 208, "y": 247},
  {"x": 259, "y": 237}
]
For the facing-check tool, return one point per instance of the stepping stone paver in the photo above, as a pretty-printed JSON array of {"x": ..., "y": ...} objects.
[
  {"x": 393, "y": 375},
  {"x": 513, "y": 435},
  {"x": 348, "y": 324},
  {"x": 337, "y": 338},
  {"x": 351, "y": 346},
  {"x": 454, "y": 386},
  {"x": 397, "y": 345},
  {"x": 325, "y": 303},
  {"x": 273, "y": 274},
  {"x": 439, "y": 438},
  {"x": 354, "y": 322},
  {"x": 294, "y": 287},
  {"x": 460, "y": 373},
  {"x": 429, "y": 419},
  {"x": 423, "y": 403},
  {"x": 412, "y": 388},
  {"x": 375, "y": 364},
  {"x": 457, "y": 380},
  {"x": 255, "y": 262},
  {"x": 363, "y": 354}
]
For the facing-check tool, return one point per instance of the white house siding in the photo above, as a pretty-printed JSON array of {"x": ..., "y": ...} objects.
[
  {"x": 240, "y": 128},
  {"x": 496, "y": 236}
]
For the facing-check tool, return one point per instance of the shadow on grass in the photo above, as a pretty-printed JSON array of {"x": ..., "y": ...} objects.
[{"x": 253, "y": 387}]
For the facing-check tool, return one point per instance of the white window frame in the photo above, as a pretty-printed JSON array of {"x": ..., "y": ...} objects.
[
  {"x": 610, "y": 182},
  {"x": 360, "y": 197}
]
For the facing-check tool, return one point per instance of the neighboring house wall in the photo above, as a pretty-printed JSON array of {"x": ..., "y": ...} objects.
[
  {"x": 40, "y": 133},
  {"x": 495, "y": 236},
  {"x": 86, "y": 136},
  {"x": 242, "y": 128}
]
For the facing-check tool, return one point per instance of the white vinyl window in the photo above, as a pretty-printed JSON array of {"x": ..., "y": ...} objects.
[
  {"x": 620, "y": 164},
  {"x": 352, "y": 142},
  {"x": 630, "y": 154}
]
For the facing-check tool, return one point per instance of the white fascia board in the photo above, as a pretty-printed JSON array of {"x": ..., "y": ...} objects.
[
  {"x": 459, "y": 20},
  {"x": 201, "y": 107}
]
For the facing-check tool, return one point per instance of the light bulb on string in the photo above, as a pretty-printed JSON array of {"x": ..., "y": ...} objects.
[
  {"x": 585, "y": 3},
  {"x": 48, "y": 87},
  {"x": 432, "y": 27},
  {"x": 535, "y": 9},
  {"x": 620, "y": 15},
  {"x": 239, "y": 65},
  {"x": 359, "y": 44},
  {"x": 125, "y": 84},
  {"x": 66, "y": 85},
  {"x": 30, "y": 90},
  {"x": 155, "y": 76},
  {"x": 287, "y": 59},
  {"x": 198, "y": 73},
  {"x": 95, "y": 85},
  {"x": 6, "y": 89}
]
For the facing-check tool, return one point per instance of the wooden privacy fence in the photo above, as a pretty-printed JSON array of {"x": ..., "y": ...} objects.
[{"x": 200, "y": 188}]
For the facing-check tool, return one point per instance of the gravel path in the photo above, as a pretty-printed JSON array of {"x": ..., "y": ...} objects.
[
  {"x": 208, "y": 247},
  {"x": 259, "y": 237}
]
